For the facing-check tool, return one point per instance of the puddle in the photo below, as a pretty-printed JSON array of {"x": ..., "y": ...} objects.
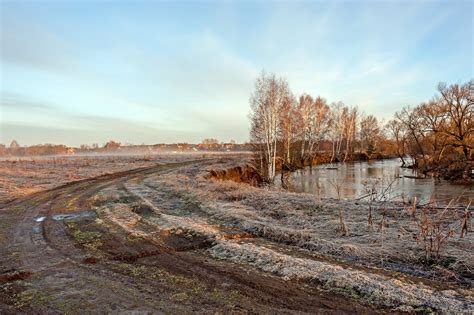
[
  {"x": 69, "y": 216},
  {"x": 72, "y": 216}
]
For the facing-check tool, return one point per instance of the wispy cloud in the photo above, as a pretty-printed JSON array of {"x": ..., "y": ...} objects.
[
  {"x": 27, "y": 134},
  {"x": 203, "y": 71},
  {"x": 158, "y": 69},
  {"x": 15, "y": 101},
  {"x": 27, "y": 43}
]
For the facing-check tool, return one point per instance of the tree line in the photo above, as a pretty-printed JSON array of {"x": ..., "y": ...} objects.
[
  {"x": 289, "y": 132},
  {"x": 208, "y": 144}
]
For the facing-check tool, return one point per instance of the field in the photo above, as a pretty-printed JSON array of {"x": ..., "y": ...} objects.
[
  {"x": 20, "y": 176},
  {"x": 111, "y": 234}
]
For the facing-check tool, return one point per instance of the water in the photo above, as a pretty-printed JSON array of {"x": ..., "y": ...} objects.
[
  {"x": 73, "y": 216},
  {"x": 40, "y": 219},
  {"x": 350, "y": 177},
  {"x": 67, "y": 217}
]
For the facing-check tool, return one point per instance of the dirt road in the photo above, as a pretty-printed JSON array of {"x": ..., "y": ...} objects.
[{"x": 72, "y": 250}]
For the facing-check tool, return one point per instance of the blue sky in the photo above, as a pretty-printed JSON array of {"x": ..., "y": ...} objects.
[{"x": 77, "y": 72}]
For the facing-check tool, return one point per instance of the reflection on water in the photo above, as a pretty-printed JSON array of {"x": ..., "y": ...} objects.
[{"x": 351, "y": 176}]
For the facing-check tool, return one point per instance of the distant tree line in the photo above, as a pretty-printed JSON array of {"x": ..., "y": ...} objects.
[
  {"x": 40, "y": 149},
  {"x": 209, "y": 144}
]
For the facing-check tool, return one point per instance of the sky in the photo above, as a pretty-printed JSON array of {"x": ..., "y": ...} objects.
[{"x": 83, "y": 72}]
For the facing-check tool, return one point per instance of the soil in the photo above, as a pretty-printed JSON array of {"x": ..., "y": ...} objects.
[
  {"x": 87, "y": 264},
  {"x": 239, "y": 174},
  {"x": 166, "y": 238}
]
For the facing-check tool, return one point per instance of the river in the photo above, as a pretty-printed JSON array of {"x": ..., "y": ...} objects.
[{"x": 353, "y": 178}]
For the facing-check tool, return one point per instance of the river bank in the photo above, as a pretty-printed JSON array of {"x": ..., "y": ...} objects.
[
  {"x": 246, "y": 172},
  {"x": 384, "y": 262}
]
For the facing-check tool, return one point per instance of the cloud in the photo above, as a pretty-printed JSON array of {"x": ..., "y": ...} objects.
[
  {"x": 28, "y": 43},
  {"x": 222, "y": 124},
  {"x": 31, "y": 122},
  {"x": 203, "y": 71},
  {"x": 15, "y": 101},
  {"x": 126, "y": 132},
  {"x": 153, "y": 74}
]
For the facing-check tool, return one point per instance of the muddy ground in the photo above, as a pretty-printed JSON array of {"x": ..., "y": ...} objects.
[{"x": 163, "y": 237}]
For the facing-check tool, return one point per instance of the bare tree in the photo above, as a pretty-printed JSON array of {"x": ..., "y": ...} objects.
[
  {"x": 349, "y": 120},
  {"x": 288, "y": 121},
  {"x": 266, "y": 102},
  {"x": 369, "y": 134},
  {"x": 411, "y": 121},
  {"x": 319, "y": 122},
  {"x": 337, "y": 184},
  {"x": 398, "y": 133},
  {"x": 336, "y": 129},
  {"x": 305, "y": 108},
  {"x": 459, "y": 113},
  {"x": 14, "y": 145},
  {"x": 439, "y": 134},
  {"x": 112, "y": 145}
]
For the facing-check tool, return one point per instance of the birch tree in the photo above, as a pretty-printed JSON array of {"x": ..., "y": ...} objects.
[
  {"x": 350, "y": 123},
  {"x": 266, "y": 102},
  {"x": 305, "y": 109},
  {"x": 369, "y": 133},
  {"x": 288, "y": 121},
  {"x": 336, "y": 129},
  {"x": 319, "y": 122}
]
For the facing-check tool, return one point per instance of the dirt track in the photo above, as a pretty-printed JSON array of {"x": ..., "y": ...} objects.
[{"x": 78, "y": 265}]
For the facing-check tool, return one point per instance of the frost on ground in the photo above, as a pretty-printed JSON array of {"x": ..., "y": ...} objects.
[
  {"x": 303, "y": 221},
  {"x": 303, "y": 235},
  {"x": 295, "y": 236},
  {"x": 20, "y": 176},
  {"x": 373, "y": 288}
]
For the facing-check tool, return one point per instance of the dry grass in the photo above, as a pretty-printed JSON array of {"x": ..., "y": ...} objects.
[
  {"x": 297, "y": 236},
  {"x": 23, "y": 176},
  {"x": 312, "y": 225},
  {"x": 372, "y": 288}
]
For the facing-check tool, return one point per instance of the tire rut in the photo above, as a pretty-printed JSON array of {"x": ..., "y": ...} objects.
[{"x": 43, "y": 248}]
